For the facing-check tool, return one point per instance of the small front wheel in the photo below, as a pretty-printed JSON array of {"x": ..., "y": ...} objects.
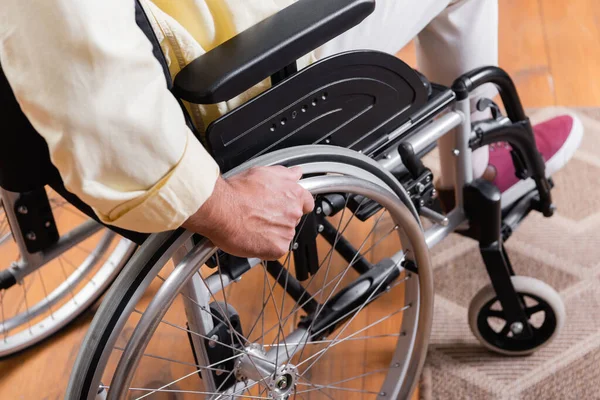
[{"x": 543, "y": 305}]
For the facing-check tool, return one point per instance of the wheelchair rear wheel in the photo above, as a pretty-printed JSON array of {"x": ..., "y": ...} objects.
[
  {"x": 256, "y": 331},
  {"x": 50, "y": 296}
]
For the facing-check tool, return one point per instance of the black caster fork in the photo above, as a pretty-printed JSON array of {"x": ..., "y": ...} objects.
[{"x": 522, "y": 299}]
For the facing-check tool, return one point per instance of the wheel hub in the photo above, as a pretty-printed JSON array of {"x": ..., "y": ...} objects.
[
  {"x": 255, "y": 365},
  {"x": 283, "y": 383}
]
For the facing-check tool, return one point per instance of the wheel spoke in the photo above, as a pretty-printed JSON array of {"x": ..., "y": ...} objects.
[
  {"x": 319, "y": 388},
  {"x": 155, "y": 356},
  {"x": 264, "y": 303},
  {"x": 64, "y": 271},
  {"x": 48, "y": 305},
  {"x": 266, "y": 279},
  {"x": 505, "y": 329},
  {"x": 535, "y": 309},
  {"x": 336, "y": 342},
  {"x": 280, "y": 332},
  {"x": 316, "y": 387},
  {"x": 357, "y": 309},
  {"x": 496, "y": 314},
  {"x": 377, "y": 371},
  {"x": 75, "y": 267},
  {"x": 297, "y": 306},
  {"x": 152, "y": 391},
  {"x": 370, "y": 249},
  {"x": 25, "y": 290},
  {"x": 340, "y": 281},
  {"x": 242, "y": 351},
  {"x": 226, "y": 315},
  {"x": 262, "y": 311},
  {"x": 235, "y": 393},
  {"x": 203, "y": 309},
  {"x": 317, "y": 342},
  {"x": 226, "y": 379},
  {"x": 85, "y": 250},
  {"x": 241, "y": 340},
  {"x": 134, "y": 389},
  {"x": 330, "y": 255},
  {"x": 331, "y": 282}
]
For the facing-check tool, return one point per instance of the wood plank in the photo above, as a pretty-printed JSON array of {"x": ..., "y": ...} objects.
[
  {"x": 573, "y": 41},
  {"x": 522, "y": 51}
]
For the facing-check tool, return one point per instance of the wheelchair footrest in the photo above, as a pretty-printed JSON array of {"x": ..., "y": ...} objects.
[{"x": 516, "y": 213}]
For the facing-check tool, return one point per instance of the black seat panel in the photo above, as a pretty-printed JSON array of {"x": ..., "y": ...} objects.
[
  {"x": 350, "y": 100},
  {"x": 267, "y": 47}
]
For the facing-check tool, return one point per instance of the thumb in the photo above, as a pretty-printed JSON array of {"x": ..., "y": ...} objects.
[{"x": 296, "y": 172}]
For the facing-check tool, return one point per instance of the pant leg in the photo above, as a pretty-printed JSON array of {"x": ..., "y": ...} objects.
[
  {"x": 462, "y": 37},
  {"x": 392, "y": 25}
]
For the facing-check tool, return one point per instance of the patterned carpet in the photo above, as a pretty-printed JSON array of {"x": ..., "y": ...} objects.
[{"x": 563, "y": 251}]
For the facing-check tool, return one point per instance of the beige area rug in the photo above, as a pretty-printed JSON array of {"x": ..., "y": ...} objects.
[{"x": 563, "y": 251}]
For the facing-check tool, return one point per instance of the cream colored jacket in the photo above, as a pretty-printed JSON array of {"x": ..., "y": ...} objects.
[{"x": 85, "y": 76}]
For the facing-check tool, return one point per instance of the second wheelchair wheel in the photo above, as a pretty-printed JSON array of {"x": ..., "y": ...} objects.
[
  {"x": 53, "y": 288},
  {"x": 354, "y": 324},
  {"x": 543, "y": 305}
]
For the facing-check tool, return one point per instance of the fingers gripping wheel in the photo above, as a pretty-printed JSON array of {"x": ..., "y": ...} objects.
[{"x": 543, "y": 305}]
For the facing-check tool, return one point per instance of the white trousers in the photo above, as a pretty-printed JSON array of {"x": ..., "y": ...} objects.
[{"x": 452, "y": 37}]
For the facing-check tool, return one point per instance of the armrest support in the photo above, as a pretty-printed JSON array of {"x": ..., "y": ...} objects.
[{"x": 265, "y": 48}]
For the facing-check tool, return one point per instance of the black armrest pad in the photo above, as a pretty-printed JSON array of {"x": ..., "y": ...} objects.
[{"x": 267, "y": 47}]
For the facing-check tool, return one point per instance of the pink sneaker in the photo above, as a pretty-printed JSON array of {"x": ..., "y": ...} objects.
[{"x": 557, "y": 140}]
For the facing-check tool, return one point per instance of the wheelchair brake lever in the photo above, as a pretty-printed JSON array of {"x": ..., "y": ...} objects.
[
  {"x": 486, "y": 103},
  {"x": 413, "y": 164}
]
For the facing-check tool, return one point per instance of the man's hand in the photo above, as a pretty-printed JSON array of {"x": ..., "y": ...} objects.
[{"x": 255, "y": 213}]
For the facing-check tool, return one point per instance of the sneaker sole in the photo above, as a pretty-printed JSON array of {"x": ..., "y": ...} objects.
[{"x": 553, "y": 165}]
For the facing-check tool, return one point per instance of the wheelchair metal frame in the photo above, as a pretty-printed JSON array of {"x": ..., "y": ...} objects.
[
  {"x": 30, "y": 261},
  {"x": 470, "y": 195}
]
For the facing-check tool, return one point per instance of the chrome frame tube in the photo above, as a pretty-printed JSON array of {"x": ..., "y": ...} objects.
[
  {"x": 436, "y": 233},
  {"x": 30, "y": 262},
  {"x": 421, "y": 139},
  {"x": 196, "y": 294},
  {"x": 464, "y": 162}
]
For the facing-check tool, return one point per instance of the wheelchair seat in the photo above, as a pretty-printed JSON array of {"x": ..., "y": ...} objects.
[
  {"x": 358, "y": 100},
  {"x": 349, "y": 100}
]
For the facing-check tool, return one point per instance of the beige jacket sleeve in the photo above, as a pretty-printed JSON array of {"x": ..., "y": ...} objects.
[{"x": 85, "y": 76}]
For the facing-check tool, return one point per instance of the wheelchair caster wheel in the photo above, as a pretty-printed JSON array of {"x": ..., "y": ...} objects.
[{"x": 544, "y": 307}]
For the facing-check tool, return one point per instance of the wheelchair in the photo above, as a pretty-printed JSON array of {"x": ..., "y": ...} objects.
[{"x": 348, "y": 311}]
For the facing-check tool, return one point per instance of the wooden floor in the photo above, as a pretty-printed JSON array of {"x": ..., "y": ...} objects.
[{"x": 552, "y": 50}]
